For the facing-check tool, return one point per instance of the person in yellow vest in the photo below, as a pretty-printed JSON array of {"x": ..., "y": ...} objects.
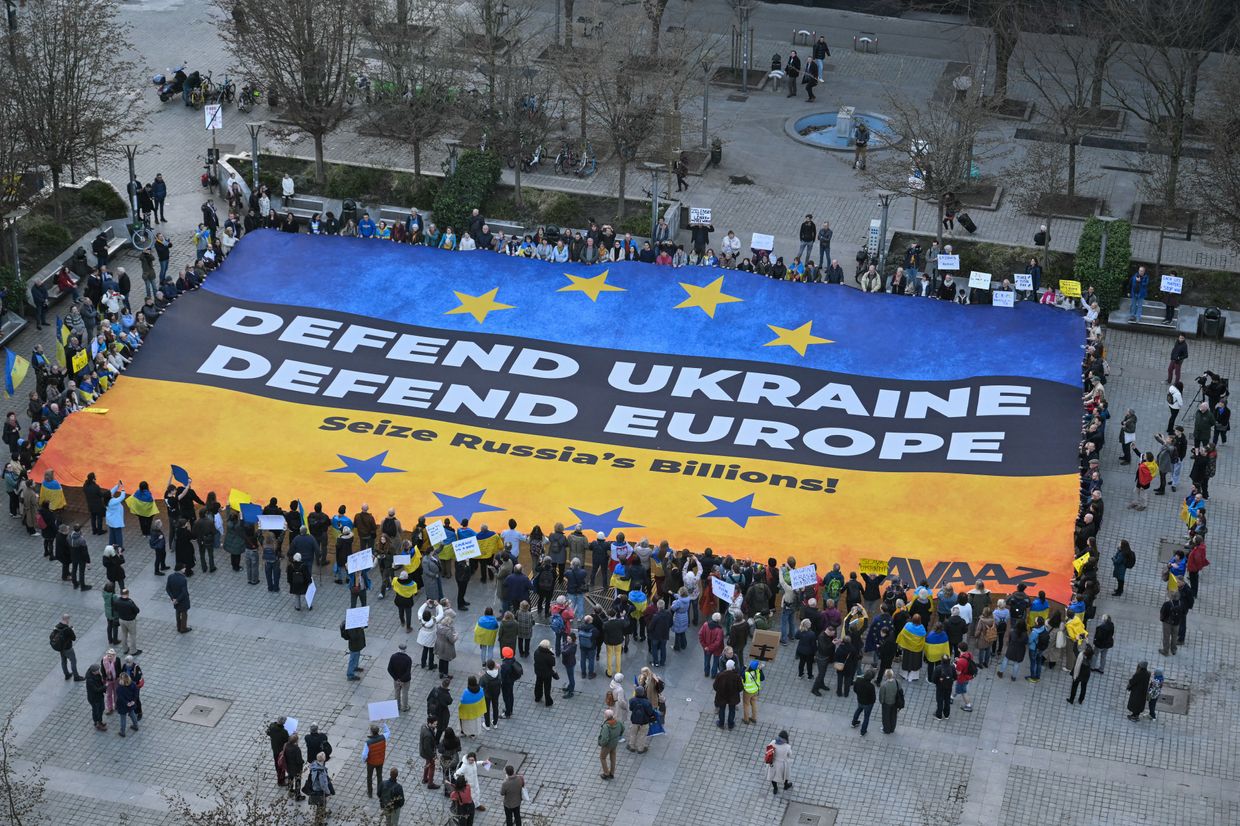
[{"x": 751, "y": 681}]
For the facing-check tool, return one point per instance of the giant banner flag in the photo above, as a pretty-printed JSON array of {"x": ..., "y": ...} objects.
[{"x": 705, "y": 406}]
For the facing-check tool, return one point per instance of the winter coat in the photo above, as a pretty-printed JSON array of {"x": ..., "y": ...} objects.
[
  {"x": 426, "y": 633},
  {"x": 778, "y": 771},
  {"x": 727, "y": 687},
  {"x": 1016, "y": 645},
  {"x": 680, "y": 615},
  {"x": 445, "y": 640},
  {"x": 1138, "y": 691}
]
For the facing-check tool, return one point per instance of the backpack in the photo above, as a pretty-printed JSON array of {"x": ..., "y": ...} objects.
[
  {"x": 58, "y": 639},
  {"x": 971, "y": 665},
  {"x": 389, "y": 527},
  {"x": 557, "y": 623},
  {"x": 546, "y": 578},
  {"x": 1044, "y": 640},
  {"x": 769, "y": 756},
  {"x": 518, "y": 671},
  {"x": 833, "y": 588},
  {"x": 1130, "y": 559}
]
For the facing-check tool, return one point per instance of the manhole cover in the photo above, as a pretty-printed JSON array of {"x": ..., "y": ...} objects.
[
  {"x": 1174, "y": 699},
  {"x": 201, "y": 711},
  {"x": 741, "y": 180},
  {"x": 807, "y": 814},
  {"x": 499, "y": 758}
]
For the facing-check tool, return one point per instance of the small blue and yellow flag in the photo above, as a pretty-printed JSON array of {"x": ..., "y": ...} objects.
[{"x": 142, "y": 503}]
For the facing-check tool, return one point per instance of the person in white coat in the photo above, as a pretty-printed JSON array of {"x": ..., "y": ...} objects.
[
  {"x": 779, "y": 767},
  {"x": 469, "y": 770},
  {"x": 428, "y": 619}
]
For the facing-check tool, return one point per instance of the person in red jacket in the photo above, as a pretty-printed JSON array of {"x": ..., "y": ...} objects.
[
  {"x": 965, "y": 670},
  {"x": 1196, "y": 561},
  {"x": 710, "y": 635}
]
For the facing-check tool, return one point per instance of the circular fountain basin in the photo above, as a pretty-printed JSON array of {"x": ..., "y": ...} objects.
[{"x": 818, "y": 129}]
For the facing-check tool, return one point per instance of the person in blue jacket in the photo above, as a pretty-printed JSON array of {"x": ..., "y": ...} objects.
[{"x": 1138, "y": 285}]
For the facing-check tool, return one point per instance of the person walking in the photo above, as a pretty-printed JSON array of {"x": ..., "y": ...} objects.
[
  {"x": 468, "y": 771},
  {"x": 1154, "y": 692},
  {"x": 544, "y": 673},
  {"x": 427, "y": 749},
  {"x": 95, "y": 694},
  {"x": 568, "y": 657},
  {"x": 609, "y": 735},
  {"x": 374, "y": 754},
  {"x": 728, "y": 690},
  {"x": 62, "y": 639},
  {"x": 512, "y": 790},
  {"x": 1104, "y": 640},
  {"x": 1138, "y": 691},
  {"x": 177, "y": 588},
  {"x": 866, "y": 693},
  {"x": 641, "y": 715},
  {"x": 1175, "y": 402},
  {"x": 127, "y": 701},
  {"x": 778, "y": 759},
  {"x": 492, "y": 688},
  {"x": 356, "y": 639},
  {"x": 509, "y": 672},
  {"x": 277, "y": 734},
  {"x": 891, "y": 699},
  {"x": 792, "y": 69},
  {"x": 1122, "y": 561},
  {"x": 439, "y": 705},
  {"x": 391, "y": 799},
  {"x": 1170, "y": 615},
  {"x": 400, "y": 669},
  {"x": 298, "y": 582},
  {"x": 1081, "y": 671},
  {"x": 471, "y": 708}
]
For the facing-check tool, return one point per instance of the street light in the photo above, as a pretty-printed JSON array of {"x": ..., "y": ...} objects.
[
  {"x": 1102, "y": 246},
  {"x": 255, "y": 128},
  {"x": 884, "y": 199},
  {"x": 654, "y": 169}
]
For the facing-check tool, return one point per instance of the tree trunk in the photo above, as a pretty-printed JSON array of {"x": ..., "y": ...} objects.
[
  {"x": 1046, "y": 248},
  {"x": 320, "y": 167},
  {"x": 624, "y": 170},
  {"x": 654, "y": 12},
  {"x": 1071, "y": 167},
  {"x": 516, "y": 181},
  {"x": 1005, "y": 46},
  {"x": 568, "y": 24},
  {"x": 58, "y": 210},
  {"x": 1101, "y": 56},
  {"x": 938, "y": 224},
  {"x": 1194, "y": 73},
  {"x": 417, "y": 157},
  {"x": 584, "y": 117}
]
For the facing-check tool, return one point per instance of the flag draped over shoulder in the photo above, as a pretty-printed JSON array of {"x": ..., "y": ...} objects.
[
  {"x": 1039, "y": 608},
  {"x": 53, "y": 494},
  {"x": 405, "y": 590},
  {"x": 912, "y": 637},
  {"x": 472, "y": 705},
  {"x": 937, "y": 646},
  {"x": 490, "y": 543},
  {"x": 1075, "y": 628},
  {"x": 141, "y": 503}
]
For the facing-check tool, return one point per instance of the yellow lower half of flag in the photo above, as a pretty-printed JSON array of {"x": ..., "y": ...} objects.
[{"x": 956, "y": 527}]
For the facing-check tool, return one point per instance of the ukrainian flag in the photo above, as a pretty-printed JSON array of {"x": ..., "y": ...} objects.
[
  {"x": 53, "y": 494},
  {"x": 937, "y": 646},
  {"x": 404, "y": 589},
  {"x": 237, "y": 498},
  {"x": 912, "y": 637},
  {"x": 141, "y": 503},
  {"x": 639, "y": 604},
  {"x": 486, "y": 631},
  {"x": 619, "y": 578},
  {"x": 472, "y": 705},
  {"x": 15, "y": 369},
  {"x": 1039, "y": 608},
  {"x": 62, "y": 338},
  {"x": 1075, "y": 628},
  {"x": 445, "y": 550},
  {"x": 489, "y": 543},
  {"x": 415, "y": 560}
]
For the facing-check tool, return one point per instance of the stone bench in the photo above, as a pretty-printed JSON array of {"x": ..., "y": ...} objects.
[
  {"x": 397, "y": 215},
  {"x": 1152, "y": 314},
  {"x": 118, "y": 238},
  {"x": 303, "y": 208}
]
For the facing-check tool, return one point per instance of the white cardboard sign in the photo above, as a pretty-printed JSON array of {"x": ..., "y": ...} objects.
[
  {"x": 360, "y": 561},
  {"x": 1003, "y": 298},
  {"x": 272, "y": 522},
  {"x": 383, "y": 710},
  {"x": 806, "y": 577},
  {"x": 979, "y": 280},
  {"x": 1024, "y": 280},
  {"x": 466, "y": 548},
  {"x": 699, "y": 215},
  {"x": 357, "y": 617},
  {"x": 949, "y": 262},
  {"x": 726, "y": 591},
  {"x": 436, "y": 532},
  {"x": 761, "y": 241},
  {"x": 1173, "y": 284}
]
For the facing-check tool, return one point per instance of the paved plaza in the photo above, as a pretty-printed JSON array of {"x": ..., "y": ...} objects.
[{"x": 1024, "y": 756}]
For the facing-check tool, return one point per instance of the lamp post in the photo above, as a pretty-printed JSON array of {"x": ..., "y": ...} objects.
[
  {"x": 254, "y": 127},
  {"x": 1102, "y": 246},
  {"x": 654, "y": 169},
  {"x": 706, "y": 65},
  {"x": 11, "y": 10},
  {"x": 884, "y": 199},
  {"x": 131, "y": 152}
]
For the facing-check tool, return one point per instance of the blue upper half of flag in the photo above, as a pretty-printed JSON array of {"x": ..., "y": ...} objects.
[{"x": 650, "y": 308}]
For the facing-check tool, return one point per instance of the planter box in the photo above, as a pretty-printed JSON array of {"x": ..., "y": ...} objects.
[
  {"x": 1078, "y": 207},
  {"x": 1151, "y": 216}
]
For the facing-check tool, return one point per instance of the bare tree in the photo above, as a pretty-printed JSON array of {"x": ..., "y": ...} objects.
[
  {"x": 523, "y": 115},
  {"x": 1217, "y": 178},
  {"x": 1168, "y": 42},
  {"x": 419, "y": 66},
  {"x": 654, "y": 10},
  {"x": 66, "y": 111},
  {"x": 1003, "y": 17},
  {"x": 938, "y": 151},
  {"x": 21, "y": 793},
  {"x": 304, "y": 52},
  {"x": 1035, "y": 179},
  {"x": 1061, "y": 70},
  {"x": 489, "y": 30}
]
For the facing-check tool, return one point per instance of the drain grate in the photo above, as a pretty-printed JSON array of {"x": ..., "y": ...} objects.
[{"x": 807, "y": 814}]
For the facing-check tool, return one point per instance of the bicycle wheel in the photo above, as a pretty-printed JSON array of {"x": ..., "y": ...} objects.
[
  {"x": 511, "y": 160},
  {"x": 142, "y": 238}
]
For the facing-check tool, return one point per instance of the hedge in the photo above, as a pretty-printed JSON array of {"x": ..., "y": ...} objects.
[
  {"x": 1108, "y": 280},
  {"x": 467, "y": 189}
]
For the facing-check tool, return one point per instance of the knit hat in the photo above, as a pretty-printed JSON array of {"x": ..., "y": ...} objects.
[{"x": 506, "y": 652}]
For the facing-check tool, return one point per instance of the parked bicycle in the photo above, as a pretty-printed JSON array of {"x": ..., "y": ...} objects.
[
  {"x": 250, "y": 96},
  {"x": 588, "y": 164},
  {"x": 566, "y": 158},
  {"x": 140, "y": 234},
  {"x": 529, "y": 163}
]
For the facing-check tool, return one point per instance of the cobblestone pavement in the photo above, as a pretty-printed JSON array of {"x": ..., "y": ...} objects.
[{"x": 1023, "y": 755}]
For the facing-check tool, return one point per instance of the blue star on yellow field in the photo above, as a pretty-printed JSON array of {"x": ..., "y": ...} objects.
[
  {"x": 706, "y": 298},
  {"x": 799, "y": 339},
  {"x": 590, "y": 286},
  {"x": 478, "y": 306}
]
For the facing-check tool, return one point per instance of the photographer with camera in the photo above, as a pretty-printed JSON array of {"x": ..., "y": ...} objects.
[{"x": 1213, "y": 387}]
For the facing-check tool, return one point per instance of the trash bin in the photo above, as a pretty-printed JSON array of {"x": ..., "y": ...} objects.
[
  {"x": 348, "y": 211},
  {"x": 1211, "y": 323},
  {"x": 716, "y": 152}
]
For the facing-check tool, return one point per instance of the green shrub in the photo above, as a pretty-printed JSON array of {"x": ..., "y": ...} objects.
[
  {"x": 636, "y": 224},
  {"x": 1107, "y": 280},
  {"x": 476, "y": 175},
  {"x": 102, "y": 198},
  {"x": 562, "y": 210},
  {"x": 43, "y": 236},
  {"x": 14, "y": 289},
  {"x": 358, "y": 182}
]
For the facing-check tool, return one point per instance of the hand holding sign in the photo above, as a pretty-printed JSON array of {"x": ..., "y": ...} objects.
[
  {"x": 466, "y": 548},
  {"x": 436, "y": 532},
  {"x": 356, "y": 617},
  {"x": 806, "y": 577},
  {"x": 1171, "y": 284},
  {"x": 360, "y": 561},
  {"x": 948, "y": 262},
  {"x": 726, "y": 591},
  {"x": 979, "y": 280}
]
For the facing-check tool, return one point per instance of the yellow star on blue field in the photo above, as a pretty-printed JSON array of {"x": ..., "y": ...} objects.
[
  {"x": 706, "y": 298},
  {"x": 590, "y": 286},
  {"x": 799, "y": 339},
  {"x": 478, "y": 306}
]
